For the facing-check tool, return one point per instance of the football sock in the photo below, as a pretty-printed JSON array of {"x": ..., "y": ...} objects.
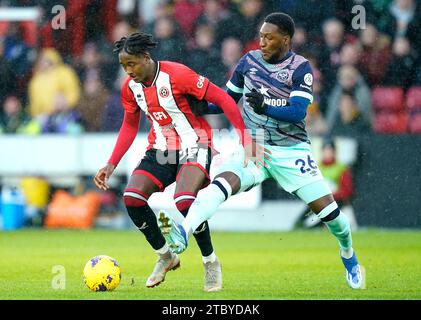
[
  {"x": 209, "y": 258},
  {"x": 203, "y": 239},
  {"x": 202, "y": 234},
  {"x": 163, "y": 250},
  {"x": 339, "y": 226},
  {"x": 207, "y": 202},
  {"x": 143, "y": 217}
]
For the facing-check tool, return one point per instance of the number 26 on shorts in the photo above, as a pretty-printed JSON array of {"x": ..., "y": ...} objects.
[{"x": 306, "y": 166}]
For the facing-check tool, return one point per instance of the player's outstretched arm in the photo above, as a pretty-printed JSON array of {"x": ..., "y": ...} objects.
[
  {"x": 219, "y": 97},
  {"x": 126, "y": 136},
  {"x": 226, "y": 102},
  {"x": 101, "y": 178},
  {"x": 294, "y": 112},
  {"x": 214, "y": 109}
]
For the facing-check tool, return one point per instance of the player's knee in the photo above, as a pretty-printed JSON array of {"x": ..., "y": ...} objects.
[
  {"x": 232, "y": 178},
  {"x": 329, "y": 212},
  {"x": 134, "y": 198},
  {"x": 228, "y": 182},
  {"x": 183, "y": 201}
]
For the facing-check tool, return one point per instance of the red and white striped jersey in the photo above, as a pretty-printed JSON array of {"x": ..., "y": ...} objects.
[{"x": 174, "y": 126}]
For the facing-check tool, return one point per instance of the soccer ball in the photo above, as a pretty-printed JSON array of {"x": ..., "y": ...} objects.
[{"x": 102, "y": 273}]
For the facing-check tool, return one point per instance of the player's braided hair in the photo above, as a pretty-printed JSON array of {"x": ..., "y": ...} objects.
[
  {"x": 283, "y": 21},
  {"x": 135, "y": 44}
]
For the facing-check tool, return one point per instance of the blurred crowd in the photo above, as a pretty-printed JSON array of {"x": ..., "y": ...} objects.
[{"x": 68, "y": 80}]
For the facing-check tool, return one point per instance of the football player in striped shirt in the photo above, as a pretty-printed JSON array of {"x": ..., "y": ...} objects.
[
  {"x": 180, "y": 146},
  {"x": 276, "y": 84}
]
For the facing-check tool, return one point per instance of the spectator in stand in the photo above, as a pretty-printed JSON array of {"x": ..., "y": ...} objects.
[
  {"x": 340, "y": 180},
  {"x": 92, "y": 64},
  {"x": 170, "y": 44},
  {"x": 344, "y": 12},
  {"x": 148, "y": 9},
  {"x": 63, "y": 119},
  {"x": 252, "y": 13},
  {"x": 349, "y": 121},
  {"x": 350, "y": 54},
  {"x": 311, "y": 14},
  {"x": 401, "y": 71},
  {"x": 229, "y": 26},
  {"x": 375, "y": 55},
  {"x": 300, "y": 42},
  {"x": 333, "y": 40},
  {"x": 113, "y": 109},
  {"x": 100, "y": 19},
  {"x": 315, "y": 121},
  {"x": 161, "y": 10},
  {"x": 109, "y": 66},
  {"x": 380, "y": 7},
  {"x": 352, "y": 84},
  {"x": 85, "y": 20},
  {"x": 205, "y": 58},
  {"x": 8, "y": 77},
  {"x": 51, "y": 77},
  {"x": 17, "y": 53},
  {"x": 231, "y": 52},
  {"x": 130, "y": 10},
  {"x": 213, "y": 13},
  {"x": 13, "y": 118},
  {"x": 403, "y": 19},
  {"x": 92, "y": 103},
  {"x": 186, "y": 13},
  {"x": 417, "y": 81}
]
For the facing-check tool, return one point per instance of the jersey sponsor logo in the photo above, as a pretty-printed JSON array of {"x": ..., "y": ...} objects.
[
  {"x": 308, "y": 79},
  {"x": 164, "y": 92},
  {"x": 276, "y": 102},
  {"x": 200, "y": 82},
  {"x": 305, "y": 87},
  {"x": 160, "y": 115},
  {"x": 283, "y": 75}
]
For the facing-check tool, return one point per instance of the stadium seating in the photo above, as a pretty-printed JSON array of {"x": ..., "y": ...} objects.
[
  {"x": 413, "y": 99},
  {"x": 388, "y": 99},
  {"x": 391, "y": 122},
  {"x": 414, "y": 123},
  {"x": 413, "y": 104},
  {"x": 389, "y": 108}
]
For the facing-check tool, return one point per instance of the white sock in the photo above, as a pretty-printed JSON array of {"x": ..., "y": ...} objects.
[
  {"x": 347, "y": 253},
  {"x": 209, "y": 258},
  {"x": 163, "y": 250},
  {"x": 204, "y": 207}
]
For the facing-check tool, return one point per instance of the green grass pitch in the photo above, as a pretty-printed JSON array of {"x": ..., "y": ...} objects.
[{"x": 277, "y": 265}]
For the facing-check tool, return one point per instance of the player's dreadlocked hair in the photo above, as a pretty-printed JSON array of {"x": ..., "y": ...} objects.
[
  {"x": 135, "y": 44},
  {"x": 283, "y": 21}
]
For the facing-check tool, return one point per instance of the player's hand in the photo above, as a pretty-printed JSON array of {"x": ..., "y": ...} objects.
[
  {"x": 101, "y": 178},
  {"x": 256, "y": 153},
  {"x": 256, "y": 100}
]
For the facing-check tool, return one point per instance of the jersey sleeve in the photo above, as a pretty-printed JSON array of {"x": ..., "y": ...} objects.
[
  {"x": 127, "y": 98},
  {"x": 302, "y": 82},
  {"x": 189, "y": 82},
  {"x": 236, "y": 83}
]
